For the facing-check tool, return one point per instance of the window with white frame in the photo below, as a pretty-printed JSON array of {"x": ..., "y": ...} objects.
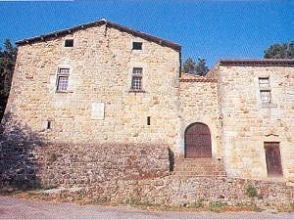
[
  {"x": 265, "y": 91},
  {"x": 62, "y": 79},
  {"x": 137, "y": 78}
]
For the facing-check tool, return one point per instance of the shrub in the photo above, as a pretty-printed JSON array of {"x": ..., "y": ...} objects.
[
  {"x": 197, "y": 204},
  {"x": 217, "y": 205},
  {"x": 251, "y": 191}
]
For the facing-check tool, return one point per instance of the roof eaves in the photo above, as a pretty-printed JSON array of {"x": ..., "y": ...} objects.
[
  {"x": 101, "y": 22},
  {"x": 60, "y": 32},
  {"x": 256, "y": 62}
]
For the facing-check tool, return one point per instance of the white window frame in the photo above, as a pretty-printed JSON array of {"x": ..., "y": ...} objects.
[
  {"x": 264, "y": 88},
  {"x": 138, "y": 75},
  {"x": 59, "y": 74}
]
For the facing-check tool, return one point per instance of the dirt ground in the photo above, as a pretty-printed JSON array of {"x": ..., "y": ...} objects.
[{"x": 26, "y": 209}]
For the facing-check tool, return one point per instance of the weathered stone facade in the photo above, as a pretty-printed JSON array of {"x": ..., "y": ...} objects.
[
  {"x": 247, "y": 123},
  {"x": 143, "y": 130}
]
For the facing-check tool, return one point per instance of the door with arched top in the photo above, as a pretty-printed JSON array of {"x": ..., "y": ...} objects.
[{"x": 197, "y": 141}]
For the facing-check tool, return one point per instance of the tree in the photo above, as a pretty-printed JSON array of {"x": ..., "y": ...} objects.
[
  {"x": 192, "y": 67},
  {"x": 201, "y": 67},
  {"x": 280, "y": 51},
  {"x": 189, "y": 66},
  {"x": 7, "y": 61}
]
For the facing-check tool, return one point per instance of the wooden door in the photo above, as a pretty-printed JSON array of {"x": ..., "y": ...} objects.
[
  {"x": 273, "y": 159},
  {"x": 197, "y": 141}
]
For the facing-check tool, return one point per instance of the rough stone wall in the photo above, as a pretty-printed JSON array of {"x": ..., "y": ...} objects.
[
  {"x": 76, "y": 165},
  {"x": 247, "y": 124},
  {"x": 188, "y": 191},
  {"x": 100, "y": 63},
  {"x": 199, "y": 103},
  {"x": 25, "y": 165}
]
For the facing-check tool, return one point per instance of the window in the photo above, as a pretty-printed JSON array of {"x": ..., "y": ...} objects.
[
  {"x": 264, "y": 83},
  {"x": 265, "y": 96},
  {"x": 62, "y": 79},
  {"x": 137, "y": 45},
  {"x": 265, "y": 91},
  {"x": 69, "y": 43},
  {"x": 48, "y": 125},
  {"x": 148, "y": 120},
  {"x": 137, "y": 78}
]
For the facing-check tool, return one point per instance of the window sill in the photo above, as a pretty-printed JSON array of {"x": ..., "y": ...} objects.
[
  {"x": 268, "y": 105},
  {"x": 67, "y": 91},
  {"x": 136, "y": 91}
]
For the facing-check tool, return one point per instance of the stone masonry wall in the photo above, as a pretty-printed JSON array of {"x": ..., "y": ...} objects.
[
  {"x": 186, "y": 191},
  {"x": 247, "y": 124},
  {"x": 199, "y": 103},
  {"x": 29, "y": 165},
  {"x": 101, "y": 64}
]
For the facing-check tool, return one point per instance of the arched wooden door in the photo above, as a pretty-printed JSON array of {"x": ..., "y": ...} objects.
[{"x": 197, "y": 141}]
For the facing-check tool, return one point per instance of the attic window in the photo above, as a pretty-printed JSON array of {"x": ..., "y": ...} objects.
[
  {"x": 137, "y": 45},
  {"x": 69, "y": 43}
]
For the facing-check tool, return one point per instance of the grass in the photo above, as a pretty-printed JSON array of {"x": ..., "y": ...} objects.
[
  {"x": 134, "y": 201},
  {"x": 217, "y": 206},
  {"x": 286, "y": 208}
]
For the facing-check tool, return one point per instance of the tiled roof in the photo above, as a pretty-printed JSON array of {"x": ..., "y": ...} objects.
[
  {"x": 257, "y": 62},
  {"x": 98, "y": 23}
]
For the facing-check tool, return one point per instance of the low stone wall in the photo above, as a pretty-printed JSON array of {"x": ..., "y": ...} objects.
[
  {"x": 80, "y": 165},
  {"x": 184, "y": 191}
]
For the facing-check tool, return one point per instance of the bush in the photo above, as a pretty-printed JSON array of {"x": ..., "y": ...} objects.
[
  {"x": 251, "y": 191},
  {"x": 217, "y": 205},
  {"x": 197, "y": 204}
]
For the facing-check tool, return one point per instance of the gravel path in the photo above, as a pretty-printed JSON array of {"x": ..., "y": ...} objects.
[{"x": 26, "y": 209}]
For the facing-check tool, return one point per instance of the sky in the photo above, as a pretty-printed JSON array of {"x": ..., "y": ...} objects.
[{"x": 211, "y": 29}]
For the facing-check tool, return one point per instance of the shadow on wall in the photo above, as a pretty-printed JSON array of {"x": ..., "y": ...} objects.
[{"x": 18, "y": 165}]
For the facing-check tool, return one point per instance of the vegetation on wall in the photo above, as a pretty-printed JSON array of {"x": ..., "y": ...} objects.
[
  {"x": 198, "y": 67},
  {"x": 7, "y": 61},
  {"x": 280, "y": 51}
]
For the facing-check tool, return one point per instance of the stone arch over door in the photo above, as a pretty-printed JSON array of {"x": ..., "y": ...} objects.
[{"x": 198, "y": 141}]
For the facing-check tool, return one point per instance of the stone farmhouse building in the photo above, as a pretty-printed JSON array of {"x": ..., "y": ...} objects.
[{"x": 102, "y": 82}]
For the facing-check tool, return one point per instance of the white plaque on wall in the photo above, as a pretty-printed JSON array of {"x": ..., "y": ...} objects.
[{"x": 97, "y": 111}]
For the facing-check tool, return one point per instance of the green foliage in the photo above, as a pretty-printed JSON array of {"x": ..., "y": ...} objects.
[
  {"x": 132, "y": 201},
  {"x": 280, "y": 51},
  {"x": 53, "y": 157},
  {"x": 251, "y": 191},
  {"x": 189, "y": 66},
  {"x": 7, "y": 61},
  {"x": 217, "y": 206},
  {"x": 197, "y": 204},
  {"x": 100, "y": 200},
  {"x": 193, "y": 67}
]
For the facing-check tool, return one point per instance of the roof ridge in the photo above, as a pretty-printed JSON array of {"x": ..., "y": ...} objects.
[{"x": 96, "y": 23}]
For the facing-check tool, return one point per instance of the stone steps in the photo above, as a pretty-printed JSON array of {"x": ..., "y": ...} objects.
[{"x": 199, "y": 167}]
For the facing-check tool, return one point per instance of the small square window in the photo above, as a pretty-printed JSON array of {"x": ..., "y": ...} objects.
[
  {"x": 137, "y": 45},
  {"x": 137, "y": 70},
  {"x": 69, "y": 43},
  {"x": 264, "y": 82}
]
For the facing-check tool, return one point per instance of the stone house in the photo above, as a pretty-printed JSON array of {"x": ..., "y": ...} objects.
[{"x": 105, "y": 83}]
